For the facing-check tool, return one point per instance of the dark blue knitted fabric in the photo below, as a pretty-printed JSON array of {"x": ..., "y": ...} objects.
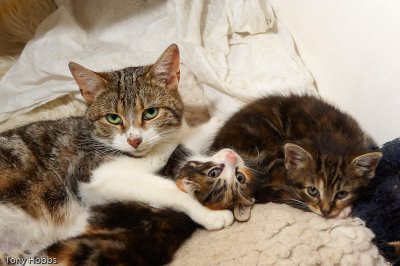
[{"x": 379, "y": 207}]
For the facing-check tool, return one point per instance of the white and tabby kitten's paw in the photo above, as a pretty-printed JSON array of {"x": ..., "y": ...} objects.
[
  {"x": 346, "y": 212},
  {"x": 215, "y": 220}
]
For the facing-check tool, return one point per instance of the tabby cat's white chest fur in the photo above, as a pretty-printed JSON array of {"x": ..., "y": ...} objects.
[{"x": 119, "y": 178}]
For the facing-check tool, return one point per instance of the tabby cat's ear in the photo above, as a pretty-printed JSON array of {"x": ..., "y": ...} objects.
[
  {"x": 166, "y": 68},
  {"x": 242, "y": 212},
  {"x": 296, "y": 157},
  {"x": 90, "y": 83},
  {"x": 366, "y": 164}
]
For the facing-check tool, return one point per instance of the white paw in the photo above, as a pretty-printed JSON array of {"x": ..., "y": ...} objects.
[
  {"x": 346, "y": 212},
  {"x": 216, "y": 220}
]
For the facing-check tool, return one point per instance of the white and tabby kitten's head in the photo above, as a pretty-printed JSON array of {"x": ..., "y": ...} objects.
[
  {"x": 136, "y": 108},
  {"x": 221, "y": 181}
]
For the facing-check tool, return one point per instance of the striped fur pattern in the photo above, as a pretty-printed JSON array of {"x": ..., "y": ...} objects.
[
  {"x": 308, "y": 153},
  {"x": 131, "y": 233},
  {"x": 219, "y": 182},
  {"x": 131, "y": 113},
  {"x": 124, "y": 233}
]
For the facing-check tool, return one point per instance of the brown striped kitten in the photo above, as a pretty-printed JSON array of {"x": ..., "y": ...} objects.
[
  {"x": 308, "y": 153},
  {"x": 53, "y": 172}
]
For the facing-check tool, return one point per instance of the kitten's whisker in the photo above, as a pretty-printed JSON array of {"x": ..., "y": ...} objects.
[{"x": 295, "y": 203}]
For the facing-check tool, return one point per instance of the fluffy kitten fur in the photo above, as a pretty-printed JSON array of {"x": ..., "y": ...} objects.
[
  {"x": 222, "y": 182},
  {"x": 52, "y": 172},
  {"x": 131, "y": 233},
  {"x": 309, "y": 154}
]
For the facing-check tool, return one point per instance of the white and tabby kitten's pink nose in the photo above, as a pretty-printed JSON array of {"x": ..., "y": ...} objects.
[
  {"x": 134, "y": 142},
  {"x": 231, "y": 158}
]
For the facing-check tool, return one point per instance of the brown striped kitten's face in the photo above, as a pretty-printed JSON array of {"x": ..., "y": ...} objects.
[
  {"x": 136, "y": 108},
  {"x": 220, "y": 182},
  {"x": 327, "y": 185}
]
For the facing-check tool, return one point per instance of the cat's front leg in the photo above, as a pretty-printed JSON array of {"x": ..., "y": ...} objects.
[
  {"x": 210, "y": 219},
  {"x": 174, "y": 198},
  {"x": 199, "y": 138},
  {"x": 117, "y": 181}
]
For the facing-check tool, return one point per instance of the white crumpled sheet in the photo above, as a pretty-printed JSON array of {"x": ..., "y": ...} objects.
[
  {"x": 227, "y": 48},
  {"x": 232, "y": 51}
]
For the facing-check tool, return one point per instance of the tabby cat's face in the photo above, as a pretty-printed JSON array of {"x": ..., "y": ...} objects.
[
  {"x": 136, "y": 108},
  {"x": 220, "y": 182},
  {"x": 327, "y": 185}
]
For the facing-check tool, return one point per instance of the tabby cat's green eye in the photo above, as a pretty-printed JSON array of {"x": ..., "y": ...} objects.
[
  {"x": 150, "y": 113},
  {"x": 114, "y": 119}
]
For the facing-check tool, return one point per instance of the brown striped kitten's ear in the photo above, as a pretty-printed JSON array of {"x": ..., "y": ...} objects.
[
  {"x": 366, "y": 164},
  {"x": 166, "y": 68},
  {"x": 90, "y": 83},
  {"x": 296, "y": 157}
]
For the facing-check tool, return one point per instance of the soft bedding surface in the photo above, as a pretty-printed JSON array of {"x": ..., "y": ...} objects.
[
  {"x": 278, "y": 234},
  {"x": 232, "y": 52}
]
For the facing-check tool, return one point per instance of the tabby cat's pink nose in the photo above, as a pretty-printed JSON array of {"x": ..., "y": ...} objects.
[{"x": 134, "y": 142}]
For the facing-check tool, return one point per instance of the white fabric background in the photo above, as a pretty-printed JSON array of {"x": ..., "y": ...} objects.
[{"x": 235, "y": 50}]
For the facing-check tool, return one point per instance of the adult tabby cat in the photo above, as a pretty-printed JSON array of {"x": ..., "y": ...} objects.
[
  {"x": 130, "y": 233},
  {"x": 310, "y": 155},
  {"x": 52, "y": 172}
]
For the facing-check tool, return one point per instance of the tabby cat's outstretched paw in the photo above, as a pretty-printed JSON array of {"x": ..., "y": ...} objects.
[{"x": 216, "y": 220}]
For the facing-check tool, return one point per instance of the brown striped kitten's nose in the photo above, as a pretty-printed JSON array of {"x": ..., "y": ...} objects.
[
  {"x": 134, "y": 142},
  {"x": 325, "y": 211}
]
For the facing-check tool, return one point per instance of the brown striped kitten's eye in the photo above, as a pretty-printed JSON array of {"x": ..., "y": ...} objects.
[
  {"x": 240, "y": 177},
  {"x": 341, "y": 194},
  {"x": 215, "y": 172},
  {"x": 313, "y": 191}
]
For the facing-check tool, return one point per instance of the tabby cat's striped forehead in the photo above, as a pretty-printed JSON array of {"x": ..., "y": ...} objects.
[
  {"x": 130, "y": 84},
  {"x": 131, "y": 90}
]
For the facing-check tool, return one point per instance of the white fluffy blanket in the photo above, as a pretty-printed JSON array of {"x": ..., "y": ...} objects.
[
  {"x": 232, "y": 52},
  {"x": 277, "y": 234}
]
